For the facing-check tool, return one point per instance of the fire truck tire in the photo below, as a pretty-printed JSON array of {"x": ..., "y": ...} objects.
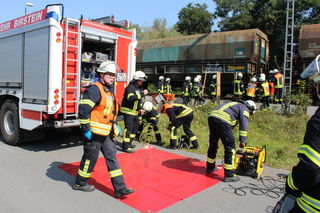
[{"x": 9, "y": 123}]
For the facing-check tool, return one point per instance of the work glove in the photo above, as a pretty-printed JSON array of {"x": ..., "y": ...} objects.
[{"x": 87, "y": 134}]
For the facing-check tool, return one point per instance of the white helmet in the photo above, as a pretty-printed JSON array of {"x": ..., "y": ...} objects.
[
  {"x": 240, "y": 75},
  {"x": 251, "y": 105},
  {"x": 214, "y": 77},
  {"x": 139, "y": 75},
  {"x": 262, "y": 78},
  {"x": 161, "y": 77},
  {"x": 168, "y": 79},
  {"x": 198, "y": 77},
  {"x": 253, "y": 80},
  {"x": 147, "y": 106},
  {"x": 275, "y": 70},
  {"x": 195, "y": 80},
  {"x": 107, "y": 66},
  {"x": 187, "y": 78}
]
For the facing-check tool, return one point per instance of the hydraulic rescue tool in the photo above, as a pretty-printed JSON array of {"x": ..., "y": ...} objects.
[{"x": 250, "y": 160}]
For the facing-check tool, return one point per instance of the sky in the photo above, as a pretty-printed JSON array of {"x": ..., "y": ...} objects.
[{"x": 141, "y": 12}]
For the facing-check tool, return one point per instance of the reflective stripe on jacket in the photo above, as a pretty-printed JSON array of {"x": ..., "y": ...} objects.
[
  {"x": 132, "y": 100},
  {"x": 237, "y": 87}
]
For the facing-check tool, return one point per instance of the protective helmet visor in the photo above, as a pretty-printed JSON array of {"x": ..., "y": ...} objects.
[{"x": 312, "y": 71}]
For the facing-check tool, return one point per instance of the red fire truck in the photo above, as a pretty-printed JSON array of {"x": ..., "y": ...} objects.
[{"x": 46, "y": 60}]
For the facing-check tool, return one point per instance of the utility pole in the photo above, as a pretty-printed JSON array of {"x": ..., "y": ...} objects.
[{"x": 288, "y": 50}]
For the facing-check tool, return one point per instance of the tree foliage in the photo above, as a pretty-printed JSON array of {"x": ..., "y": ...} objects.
[
  {"x": 267, "y": 15},
  {"x": 157, "y": 30},
  {"x": 194, "y": 19}
]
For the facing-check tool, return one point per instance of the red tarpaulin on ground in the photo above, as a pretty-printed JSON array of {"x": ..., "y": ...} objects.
[{"x": 159, "y": 178}]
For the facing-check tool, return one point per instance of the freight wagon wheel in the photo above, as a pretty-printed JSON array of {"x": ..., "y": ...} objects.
[{"x": 9, "y": 123}]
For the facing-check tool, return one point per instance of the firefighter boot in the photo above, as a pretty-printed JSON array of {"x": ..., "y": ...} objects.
[
  {"x": 211, "y": 167},
  {"x": 159, "y": 140},
  {"x": 173, "y": 144},
  {"x": 195, "y": 144},
  {"x": 84, "y": 188},
  {"x": 122, "y": 192},
  {"x": 231, "y": 179}
]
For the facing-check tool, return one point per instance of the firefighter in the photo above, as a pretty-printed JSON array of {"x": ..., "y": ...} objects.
[
  {"x": 304, "y": 180},
  {"x": 221, "y": 122},
  {"x": 179, "y": 114},
  {"x": 131, "y": 106},
  {"x": 252, "y": 88},
  {"x": 196, "y": 91},
  {"x": 150, "y": 116},
  {"x": 186, "y": 90},
  {"x": 161, "y": 88},
  {"x": 213, "y": 87},
  {"x": 264, "y": 91},
  {"x": 278, "y": 80},
  {"x": 97, "y": 113},
  {"x": 168, "y": 89},
  {"x": 238, "y": 87}
]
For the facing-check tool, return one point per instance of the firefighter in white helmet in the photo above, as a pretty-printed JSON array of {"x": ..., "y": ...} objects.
[
  {"x": 222, "y": 121},
  {"x": 196, "y": 91},
  {"x": 186, "y": 90},
  {"x": 213, "y": 87},
  {"x": 98, "y": 126},
  {"x": 150, "y": 117},
  {"x": 131, "y": 107},
  {"x": 161, "y": 85},
  {"x": 168, "y": 89},
  {"x": 264, "y": 91},
  {"x": 238, "y": 87},
  {"x": 278, "y": 81}
]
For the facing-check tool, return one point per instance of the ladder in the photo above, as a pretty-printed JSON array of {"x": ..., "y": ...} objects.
[
  {"x": 71, "y": 93},
  {"x": 288, "y": 51}
]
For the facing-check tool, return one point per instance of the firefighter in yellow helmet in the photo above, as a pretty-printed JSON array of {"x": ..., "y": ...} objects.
[{"x": 97, "y": 115}]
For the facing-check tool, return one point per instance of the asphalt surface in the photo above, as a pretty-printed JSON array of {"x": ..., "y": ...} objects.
[{"x": 32, "y": 182}]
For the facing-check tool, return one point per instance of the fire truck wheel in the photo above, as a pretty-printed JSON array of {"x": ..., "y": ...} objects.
[{"x": 9, "y": 123}]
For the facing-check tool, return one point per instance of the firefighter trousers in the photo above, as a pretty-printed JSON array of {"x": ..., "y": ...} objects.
[
  {"x": 151, "y": 127},
  {"x": 186, "y": 100},
  {"x": 131, "y": 123},
  {"x": 90, "y": 156},
  {"x": 221, "y": 130},
  {"x": 185, "y": 121},
  {"x": 278, "y": 95}
]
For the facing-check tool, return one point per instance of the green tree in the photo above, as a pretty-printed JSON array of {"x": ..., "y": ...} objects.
[
  {"x": 267, "y": 15},
  {"x": 194, "y": 19}
]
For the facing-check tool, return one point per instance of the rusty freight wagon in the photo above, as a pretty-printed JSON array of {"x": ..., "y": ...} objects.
[{"x": 228, "y": 52}]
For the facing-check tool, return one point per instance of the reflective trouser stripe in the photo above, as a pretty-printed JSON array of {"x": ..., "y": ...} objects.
[
  {"x": 243, "y": 133},
  {"x": 125, "y": 139},
  {"x": 230, "y": 166},
  {"x": 115, "y": 173},
  {"x": 211, "y": 160},
  {"x": 173, "y": 136},
  {"x": 308, "y": 204},
  {"x": 84, "y": 172},
  {"x": 193, "y": 138},
  {"x": 290, "y": 182},
  {"x": 132, "y": 135}
]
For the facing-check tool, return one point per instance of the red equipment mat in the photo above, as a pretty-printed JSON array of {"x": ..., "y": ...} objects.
[{"x": 159, "y": 178}]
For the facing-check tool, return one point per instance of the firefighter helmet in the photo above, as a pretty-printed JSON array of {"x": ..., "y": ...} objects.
[
  {"x": 251, "y": 105},
  {"x": 214, "y": 77},
  {"x": 147, "y": 106},
  {"x": 253, "y": 80},
  {"x": 275, "y": 71},
  {"x": 187, "y": 78},
  {"x": 240, "y": 75},
  {"x": 262, "y": 78},
  {"x": 195, "y": 80},
  {"x": 161, "y": 78},
  {"x": 168, "y": 79},
  {"x": 139, "y": 75},
  {"x": 107, "y": 67},
  {"x": 198, "y": 77}
]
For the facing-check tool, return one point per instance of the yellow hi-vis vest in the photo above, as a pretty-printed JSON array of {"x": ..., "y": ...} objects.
[
  {"x": 105, "y": 113},
  {"x": 251, "y": 92},
  {"x": 266, "y": 89},
  {"x": 236, "y": 87}
]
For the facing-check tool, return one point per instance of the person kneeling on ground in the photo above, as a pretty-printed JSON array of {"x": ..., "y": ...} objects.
[
  {"x": 150, "y": 116},
  {"x": 221, "y": 122},
  {"x": 179, "y": 114}
]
